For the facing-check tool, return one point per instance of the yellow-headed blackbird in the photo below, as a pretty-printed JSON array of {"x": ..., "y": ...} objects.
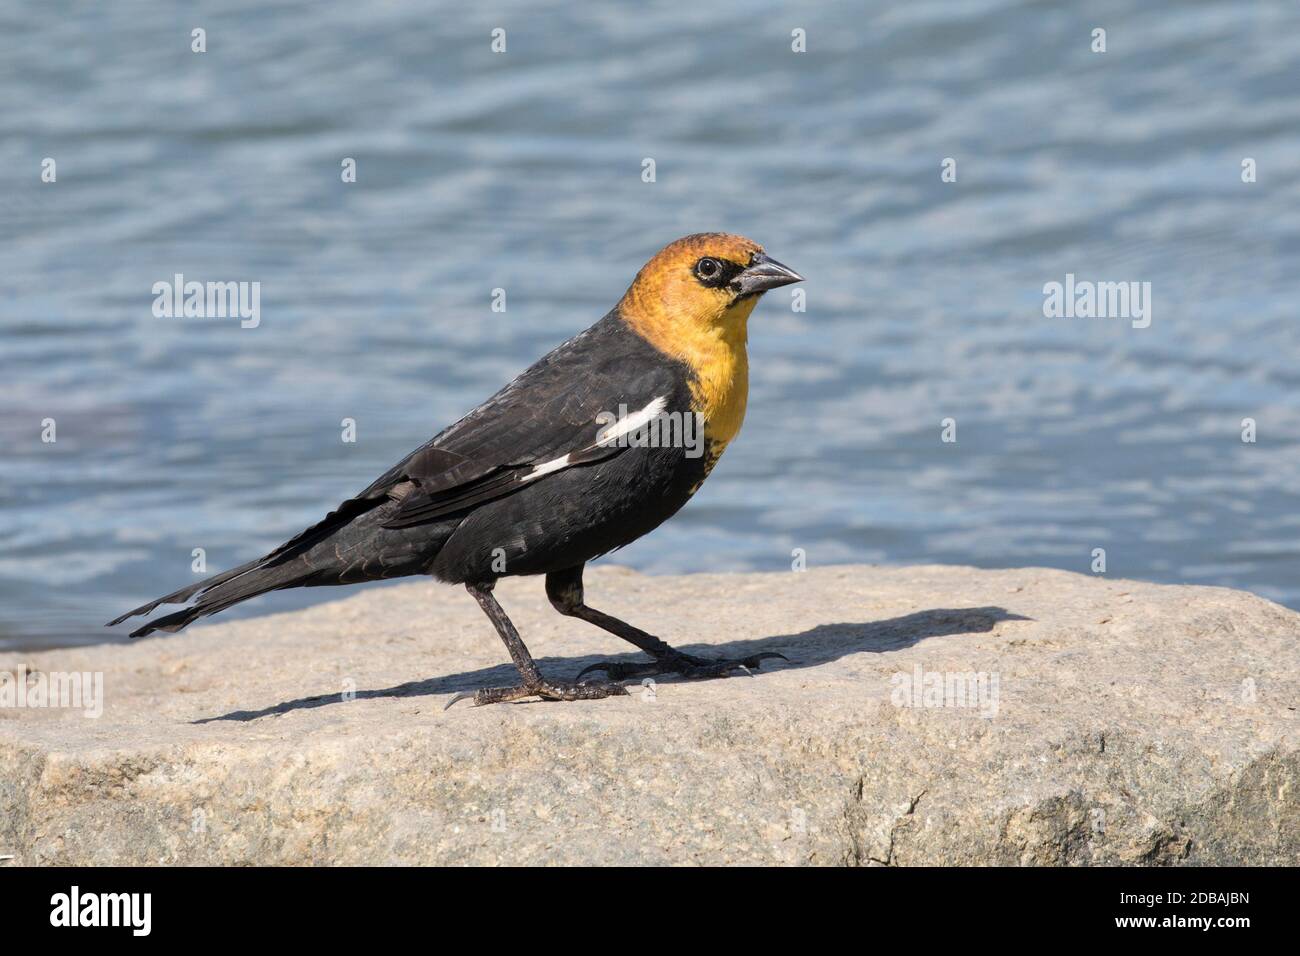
[{"x": 587, "y": 450}]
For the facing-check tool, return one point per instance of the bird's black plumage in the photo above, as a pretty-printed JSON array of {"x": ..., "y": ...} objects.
[
  {"x": 461, "y": 503},
  {"x": 529, "y": 482}
]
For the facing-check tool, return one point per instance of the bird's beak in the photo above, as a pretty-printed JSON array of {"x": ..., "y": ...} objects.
[{"x": 763, "y": 274}]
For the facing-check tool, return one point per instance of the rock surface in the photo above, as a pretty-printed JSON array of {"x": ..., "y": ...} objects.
[{"x": 1120, "y": 722}]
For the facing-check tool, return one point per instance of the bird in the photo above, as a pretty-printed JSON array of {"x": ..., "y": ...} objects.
[{"x": 596, "y": 444}]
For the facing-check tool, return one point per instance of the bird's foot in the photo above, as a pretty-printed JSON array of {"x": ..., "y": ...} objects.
[
  {"x": 545, "y": 689},
  {"x": 687, "y": 665}
]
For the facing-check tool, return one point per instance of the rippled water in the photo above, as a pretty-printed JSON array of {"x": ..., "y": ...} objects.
[{"x": 522, "y": 171}]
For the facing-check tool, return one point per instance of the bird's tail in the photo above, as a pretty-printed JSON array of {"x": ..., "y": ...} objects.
[
  {"x": 220, "y": 592},
  {"x": 348, "y": 546}
]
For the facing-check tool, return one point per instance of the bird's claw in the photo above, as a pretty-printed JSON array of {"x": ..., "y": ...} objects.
[{"x": 695, "y": 668}]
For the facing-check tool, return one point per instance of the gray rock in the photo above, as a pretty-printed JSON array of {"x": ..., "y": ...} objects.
[{"x": 1120, "y": 722}]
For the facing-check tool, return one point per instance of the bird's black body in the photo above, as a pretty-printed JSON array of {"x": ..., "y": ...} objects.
[
  {"x": 458, "y": 507},
  {"x": 605, "y": 498},
  {"x": 553, "y": 470}
]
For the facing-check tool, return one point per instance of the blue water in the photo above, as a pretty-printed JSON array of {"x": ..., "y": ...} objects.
[{"x": 522, "y": 171}]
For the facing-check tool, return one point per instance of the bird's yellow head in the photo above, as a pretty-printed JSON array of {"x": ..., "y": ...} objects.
[
  {"x": 692, "y": 303},
  {"x": 701, "y": 286}
]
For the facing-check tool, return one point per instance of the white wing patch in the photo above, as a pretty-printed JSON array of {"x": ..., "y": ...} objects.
[
  {"x": 607, "y": 436},
  {"x": 632, "y": 422},
  {"x": 555, "y": 464}
]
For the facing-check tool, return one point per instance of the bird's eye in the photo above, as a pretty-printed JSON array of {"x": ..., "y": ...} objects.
[{"x": 708, "y": 269}]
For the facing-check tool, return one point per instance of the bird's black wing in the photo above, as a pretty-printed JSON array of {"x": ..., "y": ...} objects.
[{"x": 547, "y": 418}]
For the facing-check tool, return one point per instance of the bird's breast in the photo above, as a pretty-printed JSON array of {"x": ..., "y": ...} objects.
[
  {"x": 712, "y": 356},
  {"x": 719, "y": 394}
]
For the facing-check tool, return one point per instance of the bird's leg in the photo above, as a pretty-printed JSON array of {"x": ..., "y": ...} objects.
[
  {"x": 564, "y": 588},
  {"x": 534, "y": 685}
]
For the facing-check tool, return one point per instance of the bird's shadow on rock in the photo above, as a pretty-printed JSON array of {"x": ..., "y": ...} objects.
[{"x": 818, "y": 645}]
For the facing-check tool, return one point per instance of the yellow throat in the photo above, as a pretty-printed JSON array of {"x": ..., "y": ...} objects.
[{"x": 714, "y": 351}]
